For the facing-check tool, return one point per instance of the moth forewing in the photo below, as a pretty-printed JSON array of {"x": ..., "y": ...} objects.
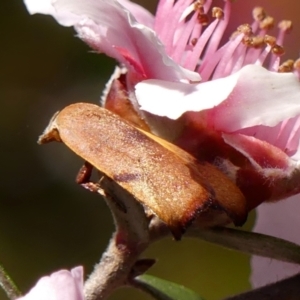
[{"x": 160, "y": 175}]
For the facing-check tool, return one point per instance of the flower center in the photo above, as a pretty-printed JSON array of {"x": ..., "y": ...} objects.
[{"x": 192, "y": 34}]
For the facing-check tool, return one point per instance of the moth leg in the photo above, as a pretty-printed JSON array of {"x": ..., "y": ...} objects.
[
  {"x": 93, "y": 187},
  {"x": 84, "y": 173},
  {"x": 83, "y": 178}
]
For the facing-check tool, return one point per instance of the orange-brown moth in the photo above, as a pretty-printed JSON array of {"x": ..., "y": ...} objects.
[{"x": 173, "y": 184}]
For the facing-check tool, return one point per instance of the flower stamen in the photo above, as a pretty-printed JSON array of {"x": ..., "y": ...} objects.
[
  {"x": 297, "y": 68},
  {"x": 287, "y": 66},
  {"x": 217, "y": 13},
  {"x": 267, "y": 23},
  {"x": 278, "y": 50},
  {"x": 270, "y": 40},
  {"x": 258, "y": 13}
]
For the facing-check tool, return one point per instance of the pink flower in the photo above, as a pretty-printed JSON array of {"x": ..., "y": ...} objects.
[
  {"x": 61, "y": 285},
  {"x": 108, "y": 26},
  {"x": 216, "y": 101},
  {"x": 233, "y": 104}
]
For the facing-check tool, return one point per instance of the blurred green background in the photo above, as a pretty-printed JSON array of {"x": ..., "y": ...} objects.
[{"x": 47, "y": 222}]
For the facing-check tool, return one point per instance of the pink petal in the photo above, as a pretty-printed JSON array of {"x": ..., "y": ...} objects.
[
  {"x": 172, "y": 99},
  {"x": 46, "y": 7},
  {"x": 109, "y": 27},
  {"x": 260, "y": 97},
  {"x": 280, "y": 219},
  {"x": 61, "y": 285},
  {"x": 261, "y": 154},
  {"x": 141, "y": 14},
  {"x": 235, "y": 100},
  {"x": 285, "y": 135}
]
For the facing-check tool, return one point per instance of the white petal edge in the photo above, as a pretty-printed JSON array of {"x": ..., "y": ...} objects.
[
  {"x": 141, "y": 14},
  {"x": 39, "y": 6},
  {"x": 173, "y": 99},
  {"x": 46, "y": 7},
  {"x": 280, "y": 219},
  {"x": 252, "y": 96}
]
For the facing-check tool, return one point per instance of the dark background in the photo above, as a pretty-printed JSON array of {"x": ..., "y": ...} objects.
[{"x": 47, "y": 222}]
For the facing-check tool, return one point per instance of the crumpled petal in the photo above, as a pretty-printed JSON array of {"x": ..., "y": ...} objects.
[
  {"x": 109, "y": 27},
  {"x": 264, "y": 156},
  {"x": 141, "y": 14},
  {"x": 234, "y": 101},
  {"x": 61, "y": 285},
  {"x": 280, "y": 219},
  {"x": 285, "y": 135},
  {"x": 172, "y": 99}
]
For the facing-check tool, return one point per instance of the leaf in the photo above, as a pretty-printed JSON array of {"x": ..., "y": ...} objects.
[
  {"x": 288, "y": 288},
  {"x": 250, "y": 242},
  {"x": 164, "y": 290}
]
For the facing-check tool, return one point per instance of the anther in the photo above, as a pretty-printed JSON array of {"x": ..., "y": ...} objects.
[
  {"x": 258, "y": 13},
  {"x": 286, "y": 26},
  {"x": 257, "y": 42},
  {"x": 245, "y": 29},
  {"x": 198, "y": 5},
  {"x": 218, "y": 13},
  {"x": 203, "y": 19},
  {"x": 267, "y": 23},
  {"x": 270, "y": 40},
  {"x": 286, "y": 67},
  {"x": 194, "y": 41},
  {"x": 297, "y": 65},
  {"x": 248, "y": 41},
  {"x": 278, "y": 50},
  {"x": 201, "y": 2}
]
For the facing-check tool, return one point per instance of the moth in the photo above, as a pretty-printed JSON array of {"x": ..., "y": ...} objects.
[{"x": 167, "y": 180}]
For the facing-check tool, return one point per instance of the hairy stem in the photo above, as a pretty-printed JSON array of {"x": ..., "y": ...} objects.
[
  {"x": 128, "y": 242},
  {"x": 112, "y": 272}
]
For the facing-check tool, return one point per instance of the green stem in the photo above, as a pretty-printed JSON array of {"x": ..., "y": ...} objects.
[
  {"x": 8, "y": 285},
  {"x": 249, "y": 242}
]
